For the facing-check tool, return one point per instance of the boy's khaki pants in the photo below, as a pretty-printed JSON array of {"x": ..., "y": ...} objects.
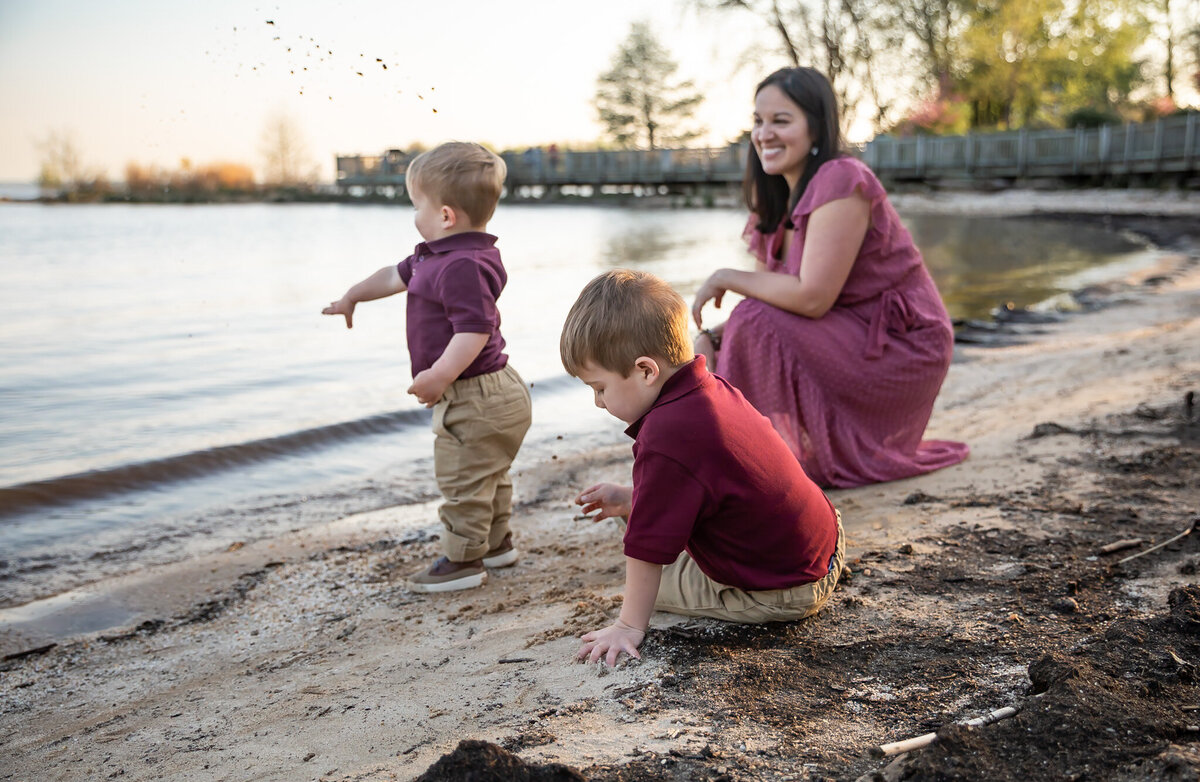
[
  {"x": 479, "y": 425},
  {"x": 685, "y": 589}
]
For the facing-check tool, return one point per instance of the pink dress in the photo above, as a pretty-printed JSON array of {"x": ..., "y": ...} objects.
[{"x": 851, "y": 391}]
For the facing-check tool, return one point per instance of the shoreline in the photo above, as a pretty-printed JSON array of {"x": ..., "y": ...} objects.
[
  {"x": 306, "y": 649},
  {"x": 33, "y": 577}
]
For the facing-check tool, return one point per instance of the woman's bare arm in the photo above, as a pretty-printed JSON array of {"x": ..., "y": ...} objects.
[{"x": 834, "y": 237}]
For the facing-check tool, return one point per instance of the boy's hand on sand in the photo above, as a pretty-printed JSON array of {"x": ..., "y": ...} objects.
[
  {"x": 611, "y": 500},
  {"x": 341, "y": 307},
  {"x": 609, "y": 643},
  {"x": 428, "y": 387}
]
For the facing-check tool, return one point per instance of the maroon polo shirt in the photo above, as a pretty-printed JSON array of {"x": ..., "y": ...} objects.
[
  {"x": 712, "y": 476},
  {"x": 453, "y": 284}
]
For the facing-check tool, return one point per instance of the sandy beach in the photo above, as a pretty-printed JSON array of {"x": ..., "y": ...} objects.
[{"x": 995, "y": 583}]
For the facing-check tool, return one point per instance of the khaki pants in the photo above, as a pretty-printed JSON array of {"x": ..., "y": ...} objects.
[
  {"x": 479, "y": 424},
  {"x": 686, "y": 590}
]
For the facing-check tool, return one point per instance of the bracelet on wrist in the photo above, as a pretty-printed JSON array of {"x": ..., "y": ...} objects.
[
  {"x": 715, "y": 339},
  {"x": 624, "y": 626}
]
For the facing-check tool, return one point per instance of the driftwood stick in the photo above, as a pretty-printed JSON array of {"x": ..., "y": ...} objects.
[
  {"x": 1120, "y": 545},
  {"x": 1168, "y": 542},
  {"x": 917, "y": 742}
]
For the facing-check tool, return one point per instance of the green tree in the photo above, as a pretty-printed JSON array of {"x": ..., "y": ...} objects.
[
  {"x": 638, "y": 100},
  {"x": 1031, "y": 62}
]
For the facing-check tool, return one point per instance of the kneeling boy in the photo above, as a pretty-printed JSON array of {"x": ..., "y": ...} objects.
[{"x": 722, "y": 520}]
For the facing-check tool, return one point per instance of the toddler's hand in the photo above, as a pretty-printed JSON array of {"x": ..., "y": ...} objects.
[
  {"x": 611, "y": 499},
  {"x": 427, "y": 387},
  {"x": 610, "y": 642},
  {"x": 341, "y": 307}
]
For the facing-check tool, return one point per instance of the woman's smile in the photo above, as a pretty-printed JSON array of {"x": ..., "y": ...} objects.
[{"x": 781, "y": 135}]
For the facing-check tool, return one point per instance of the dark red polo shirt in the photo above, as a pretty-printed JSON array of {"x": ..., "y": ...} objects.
[
  {"x": 453, "y": 284},
  {"x": 712, "y": 476}
]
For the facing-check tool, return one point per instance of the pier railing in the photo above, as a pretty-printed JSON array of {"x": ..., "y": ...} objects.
[
  {"x": 627, "y": 167},
  {"x": 1169, "y": 146},
  {"x": 540, "y": 167}
]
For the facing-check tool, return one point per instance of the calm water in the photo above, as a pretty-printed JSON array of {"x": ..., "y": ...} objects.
[{"x": 165, "y": 373}]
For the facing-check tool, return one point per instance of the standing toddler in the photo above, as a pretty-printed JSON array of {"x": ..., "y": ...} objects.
[{"x": 481, "y": 406}]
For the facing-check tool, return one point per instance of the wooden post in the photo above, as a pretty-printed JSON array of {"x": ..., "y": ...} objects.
[
  {"x": 1189, "y": 139},
  {"x": 1158, "y": 144},
  {"x": 1022, "y": 151},
  {"x": 1105, "y": 147},
  {"x": 1129, "y": 136},
  {"x": 1080, "y": 148}
]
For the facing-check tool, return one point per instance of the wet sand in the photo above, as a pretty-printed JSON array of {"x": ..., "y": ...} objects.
[{"x": 305, "y": 657}]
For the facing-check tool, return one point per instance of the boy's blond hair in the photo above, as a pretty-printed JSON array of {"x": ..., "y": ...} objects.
[
  {"x": 621, "y": 315},
  {"x": 461, "y": 175}
]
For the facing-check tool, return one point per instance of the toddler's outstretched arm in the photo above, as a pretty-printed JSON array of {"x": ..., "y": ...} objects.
[{"x": 384, "y": 282}]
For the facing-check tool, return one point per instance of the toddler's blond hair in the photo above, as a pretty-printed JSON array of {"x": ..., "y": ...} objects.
[
  {"x": 461, "y": 175},
  {"x": 621, "y": 315}
]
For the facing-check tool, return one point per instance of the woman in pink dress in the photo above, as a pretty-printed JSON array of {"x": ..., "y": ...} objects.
[{"x": 842, "y": 340}]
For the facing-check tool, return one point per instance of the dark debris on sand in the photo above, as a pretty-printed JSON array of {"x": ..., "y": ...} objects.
[{"x": 1049, "y": 628}]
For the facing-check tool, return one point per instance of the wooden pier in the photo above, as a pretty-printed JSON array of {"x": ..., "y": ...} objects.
[
  {"x": 538, "y": 171},
  {"x": 1165, "y": 150}
]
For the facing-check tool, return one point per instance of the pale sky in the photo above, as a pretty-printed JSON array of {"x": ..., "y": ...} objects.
[{"x": 155, "y": 81}]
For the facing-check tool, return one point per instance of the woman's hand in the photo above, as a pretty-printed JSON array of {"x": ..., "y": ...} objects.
[
  {"x": 612, "y": 500},
  {"x": 713, "y": 289}
]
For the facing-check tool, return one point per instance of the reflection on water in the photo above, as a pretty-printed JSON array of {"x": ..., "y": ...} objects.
[
  {"x": 641, "y": 245},
  {"x": 980, "y": 263}
]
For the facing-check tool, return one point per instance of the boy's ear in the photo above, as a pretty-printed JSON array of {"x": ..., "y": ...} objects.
[
  {"x": 646, "y": 369},
  {"x": 449, "y": 216}
]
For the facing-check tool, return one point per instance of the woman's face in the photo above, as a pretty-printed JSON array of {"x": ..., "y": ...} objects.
[{"x": 781, "y": 135}]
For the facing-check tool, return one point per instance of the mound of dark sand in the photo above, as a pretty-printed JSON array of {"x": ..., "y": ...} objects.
[{"x": 482, "y": 761}]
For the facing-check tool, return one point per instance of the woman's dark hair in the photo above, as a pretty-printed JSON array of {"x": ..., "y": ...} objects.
[{"x": 767, "y": 194}]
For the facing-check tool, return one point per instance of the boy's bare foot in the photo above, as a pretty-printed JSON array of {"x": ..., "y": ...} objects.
[
  {"x": 447, "y": 576},
  {"x": 502, "y": 555}
]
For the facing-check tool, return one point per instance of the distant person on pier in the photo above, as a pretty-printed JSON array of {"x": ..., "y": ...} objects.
[
  {"x": 842, "y": 340},
  {"x": 481, "y": 406}
]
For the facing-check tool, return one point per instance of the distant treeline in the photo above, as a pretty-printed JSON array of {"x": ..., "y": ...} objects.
[{"x": 208, "y": 183}]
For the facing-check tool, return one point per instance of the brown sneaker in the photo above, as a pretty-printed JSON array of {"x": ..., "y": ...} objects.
[
  {"x": 503, "y": 555},
  {"x": 447, "y": 576}
]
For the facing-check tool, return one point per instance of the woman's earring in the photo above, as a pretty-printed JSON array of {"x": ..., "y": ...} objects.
[{"x": 815, "y": 150}]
